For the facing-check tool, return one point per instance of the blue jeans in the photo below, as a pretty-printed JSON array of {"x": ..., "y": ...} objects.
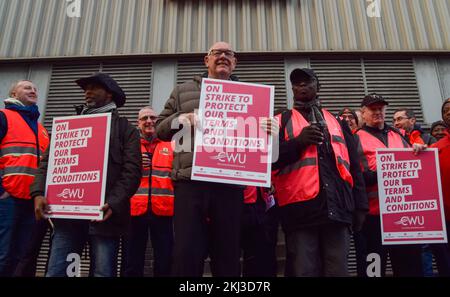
[
  {"x": 70, "y": 237},
  {"x": 134, "y": 245},
  {"x": 16, "y": 222}
]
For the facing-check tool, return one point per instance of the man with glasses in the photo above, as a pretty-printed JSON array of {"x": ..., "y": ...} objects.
[
  {"x": 348, "y": 115},
  {"x": 207, "y": 215},
  {"x": 151, "y": 206},
  {"x": 405, "y": 119}
]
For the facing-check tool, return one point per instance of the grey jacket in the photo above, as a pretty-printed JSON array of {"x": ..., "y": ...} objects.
[{"x": 123, "y": 178}]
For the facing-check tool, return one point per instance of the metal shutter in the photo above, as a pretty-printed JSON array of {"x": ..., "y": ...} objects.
[
  {"x": 133, "y": 77},
  {"x": 341, "y": 82},
  {"x": 344, "y": 82},
  {"x": 63, "y": 92},
  {"x": 269, "y": 71},
  {"x": 396, "y": 80}
]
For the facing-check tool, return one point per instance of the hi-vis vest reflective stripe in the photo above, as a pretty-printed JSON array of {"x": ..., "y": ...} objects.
[
  {"x": 18, "y": 154},
  {"x": 366, "y": 149},
  {"x": 162, "y": 196},
  {"x": 299, "y": 181},
  {"x": 161, "y": 161},
  {"x": 139, "y": 202}
]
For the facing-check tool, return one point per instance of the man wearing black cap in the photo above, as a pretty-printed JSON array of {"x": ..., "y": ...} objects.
[
  {"x": 102, "y": 95},
  {"x": 375, "y": 133},
  {"x": 318, "y": 183}
]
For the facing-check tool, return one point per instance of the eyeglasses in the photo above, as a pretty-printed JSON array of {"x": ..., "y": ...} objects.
[
  {"x": 399, "y": 119},
  {"x": 144, "y": 118},
  {"x": 347, "y": 116},
  {"x": 218, "y": 52}
]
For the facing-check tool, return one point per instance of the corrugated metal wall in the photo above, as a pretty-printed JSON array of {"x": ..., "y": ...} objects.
[{"x": 41, "y": 28}]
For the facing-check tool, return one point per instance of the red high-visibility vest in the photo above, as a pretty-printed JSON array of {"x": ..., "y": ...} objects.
[
  {"x": 366, "y": 149},
  {"x": 250, "y": 194},
  {"x": 162, "y": 188},
  {"x": 18, "y": 154},
  {"x": 299, "y": 181}
]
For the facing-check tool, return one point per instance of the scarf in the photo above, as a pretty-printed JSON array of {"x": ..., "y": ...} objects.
[
  {"x": 30, "y": 113},
  {"x": 315, "y": 116},
  {"x": 102, "y": 109},
  {"x": 313, "y": 108}
]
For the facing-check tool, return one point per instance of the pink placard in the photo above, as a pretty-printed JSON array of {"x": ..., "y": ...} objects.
[
  {"x": 411, "y": 204},
  {"x": 77, "y": 166},
  {"x": 230, "y": 147}
]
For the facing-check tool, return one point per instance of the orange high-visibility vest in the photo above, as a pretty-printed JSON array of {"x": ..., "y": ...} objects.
[
  {"x": 139, "y": 202},
  {"x": 299, "y": 181},
  {"x": 18, "y": 154},
  {"x": 160, "y": 181},
  {"x": 162, "y": 195},
  {"x": 366, "y": 149}
]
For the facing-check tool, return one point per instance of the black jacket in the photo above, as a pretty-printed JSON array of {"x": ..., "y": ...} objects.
[{"x": 123, "y": 178}]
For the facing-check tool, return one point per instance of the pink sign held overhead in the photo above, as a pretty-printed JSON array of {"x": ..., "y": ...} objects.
[
  {"x": 230, "y": 146},
  {"x": 411, "y": 203},
  {"x": 77, "y": 166}
]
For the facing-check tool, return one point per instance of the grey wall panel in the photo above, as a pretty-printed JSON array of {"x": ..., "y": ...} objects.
[
  {"x": 444, "y": 77},
  {"x": 431, "y": 96}
]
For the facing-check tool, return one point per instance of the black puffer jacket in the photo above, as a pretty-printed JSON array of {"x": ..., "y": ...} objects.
[{"x": 122, "y": 182}]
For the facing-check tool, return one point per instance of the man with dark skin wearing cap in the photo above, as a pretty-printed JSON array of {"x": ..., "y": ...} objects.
[
  {"x": 102, "y": 95},
  {"x": 318, "y": 183},
  {"x": 375, "y": 133}
]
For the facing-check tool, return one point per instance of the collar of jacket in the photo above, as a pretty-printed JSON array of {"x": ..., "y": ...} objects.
[{"x": 205, "y": 75}]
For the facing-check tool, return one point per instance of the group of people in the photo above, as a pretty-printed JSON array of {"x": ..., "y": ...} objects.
[{"x": 324, "y": 188}]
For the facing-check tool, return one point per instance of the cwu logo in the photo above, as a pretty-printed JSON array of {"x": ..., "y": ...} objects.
[
  {"x": 230, "y": 158},
  {"x": 411, "y": 221},
  {"x": 71, "y": 193}
]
